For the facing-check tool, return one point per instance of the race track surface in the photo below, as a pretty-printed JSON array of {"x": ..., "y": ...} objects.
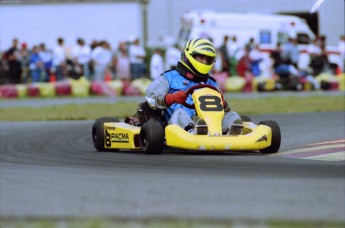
[{"x": 50, "y": 169}]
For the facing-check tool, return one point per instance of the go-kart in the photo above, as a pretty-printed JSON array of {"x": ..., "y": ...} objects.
[{"x": 150, "y": 132}]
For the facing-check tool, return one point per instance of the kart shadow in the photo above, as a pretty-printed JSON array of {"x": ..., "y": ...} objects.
[
  {"x": 215, "y": 153},
  {"x": 188, "y": 152}
]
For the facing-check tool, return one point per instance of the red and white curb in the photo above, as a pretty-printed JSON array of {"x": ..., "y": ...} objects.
[{"x": 324, "y": 151}]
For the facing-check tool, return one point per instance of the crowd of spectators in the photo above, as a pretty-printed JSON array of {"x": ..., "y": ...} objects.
[
  {"x": 98, "y": 61},
  {"x": 288, "y": 63}
]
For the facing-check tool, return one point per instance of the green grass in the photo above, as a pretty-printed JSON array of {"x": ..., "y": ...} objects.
[
  {"x": 269, "y": 105},
  {"x": 159, "y": 223}
]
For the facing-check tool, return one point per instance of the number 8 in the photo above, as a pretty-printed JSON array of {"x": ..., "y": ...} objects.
[{"x": 210, "y": 103}]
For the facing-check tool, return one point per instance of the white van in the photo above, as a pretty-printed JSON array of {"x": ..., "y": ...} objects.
[{"x": 266, "y": 29}]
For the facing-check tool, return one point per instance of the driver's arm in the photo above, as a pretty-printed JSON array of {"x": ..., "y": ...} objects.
[{"x": 156, "y": 91}]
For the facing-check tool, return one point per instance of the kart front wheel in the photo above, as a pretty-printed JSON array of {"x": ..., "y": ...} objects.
[
  {"x": 98, "y": 132},
  {"x": 152, "y": 137},
  {"x": 276, "y": 137}
]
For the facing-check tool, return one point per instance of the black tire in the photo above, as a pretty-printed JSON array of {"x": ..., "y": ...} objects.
[
  {"x": 98, "y": 132},
  {"x": 245, "y": 118},
  {"x": 152, "y": 137},
  {"x": 276, "y": 137}
]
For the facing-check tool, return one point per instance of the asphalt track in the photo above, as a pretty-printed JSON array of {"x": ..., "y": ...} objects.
[{"x": 50, "y": 169}]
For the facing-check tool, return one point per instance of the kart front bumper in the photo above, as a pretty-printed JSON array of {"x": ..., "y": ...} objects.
[{"x": 259, "y": 138}]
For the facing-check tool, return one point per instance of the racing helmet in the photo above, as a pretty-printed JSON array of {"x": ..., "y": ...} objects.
[{"x": 190, "y": 57}]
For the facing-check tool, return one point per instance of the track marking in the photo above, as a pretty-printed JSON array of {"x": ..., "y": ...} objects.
[
  {"x": 340, "y": 156},
  {"x": 330, "y": 142},
  {"x": 324, "y": 151},
  {"x": 311, "y": 149}
]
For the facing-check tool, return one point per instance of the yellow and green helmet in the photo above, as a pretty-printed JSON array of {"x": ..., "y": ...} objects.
[{"x": 198, "y": 46}]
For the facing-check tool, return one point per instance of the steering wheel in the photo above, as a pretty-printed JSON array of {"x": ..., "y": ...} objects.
[{"x": 190, "y": 91}]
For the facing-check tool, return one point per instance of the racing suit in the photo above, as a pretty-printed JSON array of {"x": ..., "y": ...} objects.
[{"x": 176, "y": 80}]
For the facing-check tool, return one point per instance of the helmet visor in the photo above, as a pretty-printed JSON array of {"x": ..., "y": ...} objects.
[{"x": 208, "y": 60}]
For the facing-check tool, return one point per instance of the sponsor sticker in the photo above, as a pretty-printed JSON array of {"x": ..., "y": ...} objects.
[{"x": 118, "y": 137}]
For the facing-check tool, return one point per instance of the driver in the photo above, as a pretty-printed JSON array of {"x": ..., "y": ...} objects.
[{"x": 167, "y": 91}]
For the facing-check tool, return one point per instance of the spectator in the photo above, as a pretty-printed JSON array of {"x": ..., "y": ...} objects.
[
  {"x": 14, "y": 65},
  {"x": 172, "y": 56},
  {"x": 137, "y": 56},
  {"x": 251, "y": 44},
  {"x": 290, "y": 52},
  {"x": 322, "y": 40},
  {"x": 81, "y": 55},
  {"x": 281, "y": 67},
  {"x": 320, "y": 63},
  {"x": 3, "y": 69},
  {"x": 59, "y": 59},
  {"x": 92, "y": 46},
  {"x": 121, "y": 63},
  {"x": 156, "y": 64},
  {"x": 217, "y": 66},
  {"x": 276, "y": 55},
  {"x": 223, "y": 49},
  {"x": 12, "y": 50},
  {"x": 75, "y": 69},
  {"x": 101, "y": 57},
  {"x": 47, "y": 59},
  {"x": 234, "y": 51},
  {"x": 233, "y": 47},
  {"x": 255, "y": 57},
  {"x": 25, "y": 62},
  {"x": 292, "y": 30},
  {"x": 36, "y": 65},
  {"x": 243, "y": 66},
  {"x": 314, "y": 48}
]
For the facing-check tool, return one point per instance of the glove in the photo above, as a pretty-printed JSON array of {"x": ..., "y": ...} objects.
[{"x": 179, "y": 97}]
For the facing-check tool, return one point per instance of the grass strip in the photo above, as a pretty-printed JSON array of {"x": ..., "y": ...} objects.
[
  {"x": 161, "y": 223},
  {"x": 268, "y": 105}
]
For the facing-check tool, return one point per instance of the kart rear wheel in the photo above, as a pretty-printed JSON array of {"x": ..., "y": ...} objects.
[
  {"x": 276, "y": 137},
  {"x": 98, "y": 132},
  {"x": 152, "y": 137}
]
